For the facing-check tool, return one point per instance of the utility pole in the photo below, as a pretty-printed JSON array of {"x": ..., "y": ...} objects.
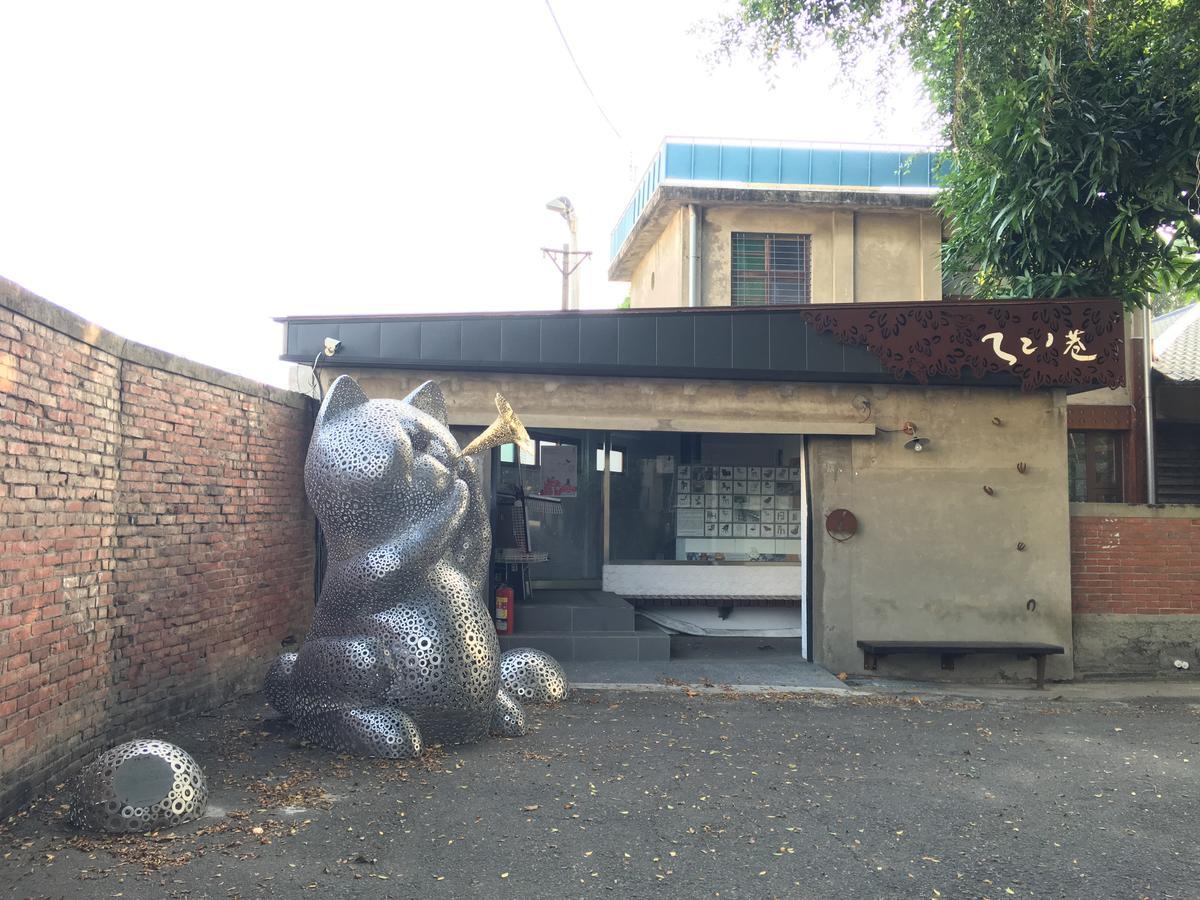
[
  {"x": 569, "y": 258},
  {"x": 567, "y": 261}
]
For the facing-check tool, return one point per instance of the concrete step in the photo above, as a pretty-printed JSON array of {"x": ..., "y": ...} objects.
[
  {"x": 573, "y": 611},
  {"x": 691, "y": 646},
  {"x": 595, "y": 646}
]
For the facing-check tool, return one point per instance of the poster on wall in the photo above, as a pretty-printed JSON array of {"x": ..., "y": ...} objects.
[
  {"x": 560, "y": 471},
  {"x": 690, "y": 523},
  {"x": 739, "y": 512}
]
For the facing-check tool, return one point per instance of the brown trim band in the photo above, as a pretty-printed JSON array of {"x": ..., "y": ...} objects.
[
  {"x": 1099, "y": 418},
  {"x": 1043, "y": 343}
]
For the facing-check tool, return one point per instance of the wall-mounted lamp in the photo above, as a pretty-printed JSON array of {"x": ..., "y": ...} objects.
[
  {"x": 332, "y": 347},
  {"x": 915, "y": 443}
]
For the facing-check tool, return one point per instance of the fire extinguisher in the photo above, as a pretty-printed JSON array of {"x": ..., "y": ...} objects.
[{"x": 504, "y": 609}]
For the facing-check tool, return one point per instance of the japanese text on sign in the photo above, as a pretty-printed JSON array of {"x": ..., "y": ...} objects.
[{"x": 1073, "y": 346}]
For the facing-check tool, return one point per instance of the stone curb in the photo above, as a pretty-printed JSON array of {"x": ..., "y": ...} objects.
[
  {"x": 1064, "y": 692},
  {"x": 657, "y": 688}
]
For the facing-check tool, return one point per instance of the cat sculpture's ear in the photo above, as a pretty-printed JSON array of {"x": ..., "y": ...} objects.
[
  {"x": 428, "y": 398},
  {"x": 343, "y": 394}
]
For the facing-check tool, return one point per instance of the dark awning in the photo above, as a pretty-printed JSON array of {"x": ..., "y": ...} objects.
[{"x": 1026, "y": 343}]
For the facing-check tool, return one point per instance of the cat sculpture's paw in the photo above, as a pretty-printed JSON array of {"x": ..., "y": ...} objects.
[
  {"x": 381, "y": 731},
  {"x": 278, "y": 684},
  {"x": 508, "y": 719}
]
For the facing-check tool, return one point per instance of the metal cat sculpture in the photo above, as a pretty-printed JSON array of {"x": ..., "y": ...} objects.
[{"x": 402, "y": 652}]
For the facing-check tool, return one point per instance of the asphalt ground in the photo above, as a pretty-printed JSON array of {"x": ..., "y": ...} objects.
[{"x": 676, "y": 793}]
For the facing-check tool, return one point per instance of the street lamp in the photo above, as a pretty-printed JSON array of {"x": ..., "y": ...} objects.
[
  {"x": 571, "y": 258},
  {"x": 562, "y": 206}
]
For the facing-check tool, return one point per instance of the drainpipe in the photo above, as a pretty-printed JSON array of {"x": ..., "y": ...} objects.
[
  {"x": 1148, "y": 408},
  {"x": 694, "y": 229}
]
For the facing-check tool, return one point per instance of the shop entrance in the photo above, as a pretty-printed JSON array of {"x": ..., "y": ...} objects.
[{"x": 696, "y": 523}]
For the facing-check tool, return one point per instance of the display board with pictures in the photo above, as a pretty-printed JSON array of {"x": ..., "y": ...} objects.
[{"x": 739, "y": 512}]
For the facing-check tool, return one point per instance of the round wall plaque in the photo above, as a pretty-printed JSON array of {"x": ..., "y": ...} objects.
[{"x": 841, "y": 525}]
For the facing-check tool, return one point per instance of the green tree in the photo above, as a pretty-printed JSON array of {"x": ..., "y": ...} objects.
[
  {"x": 1074, "y": 129},
  {"x": 1169, "y": 301}
]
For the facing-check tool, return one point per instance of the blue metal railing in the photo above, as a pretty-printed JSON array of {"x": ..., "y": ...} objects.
[
  {"x": 641, "y": 196},
  {"x": 751, "y": 163}
]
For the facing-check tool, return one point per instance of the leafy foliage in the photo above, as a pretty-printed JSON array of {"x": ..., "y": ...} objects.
[
  {"x": 1171, "y": 300},
  {"x": 1074, "y": 127}
]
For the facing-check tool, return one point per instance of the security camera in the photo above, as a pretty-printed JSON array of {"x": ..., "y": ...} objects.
[{"x": 332, "y": 346}]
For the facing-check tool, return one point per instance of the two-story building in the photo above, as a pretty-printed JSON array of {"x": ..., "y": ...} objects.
[
  {"x": 784, "y": 419},
  {"x": 737, "y": 224}
]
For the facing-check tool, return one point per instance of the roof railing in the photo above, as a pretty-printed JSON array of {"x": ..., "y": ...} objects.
[{"x": 776, "y": 163}]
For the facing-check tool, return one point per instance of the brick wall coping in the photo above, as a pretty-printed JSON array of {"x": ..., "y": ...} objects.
[
  {"x": 31, "y": 306},
  {"x": 1135, "y": 511}
]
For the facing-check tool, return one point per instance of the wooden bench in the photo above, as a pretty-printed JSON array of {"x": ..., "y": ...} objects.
[{"x": 873, "y": 651}]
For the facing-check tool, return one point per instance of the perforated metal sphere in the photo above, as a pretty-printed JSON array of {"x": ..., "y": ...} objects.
[
  {"x": 138, "y": 786},
  {"x": 509, "y": 718},
  {"x": 533, "y": 676}
]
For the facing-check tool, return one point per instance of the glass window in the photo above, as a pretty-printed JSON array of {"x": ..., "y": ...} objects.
[
  {"x": 508, "y": 454},
  {"x": 616, "y": 461},
  {"x": 1094, "y": 467},
  {"x": 707, "y": 498},
  {"x": 563, "y": 502},
  {"x": 770, "y": 269}
]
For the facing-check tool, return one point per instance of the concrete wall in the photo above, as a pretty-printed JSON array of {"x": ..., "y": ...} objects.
[
  {"x": 856, "y": 254},
  {"x": 1135, "y": 579},
  {"x": 155, "y": 543},
  {"x": 660, "y": 278},
  {"x": 897, "y": 256},
  {"x": 936, "y": 557}
]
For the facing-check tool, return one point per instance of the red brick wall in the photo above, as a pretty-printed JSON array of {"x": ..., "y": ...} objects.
[
  {"x": 155, "y": 544},
  {"x": 1148, "y": 565}
]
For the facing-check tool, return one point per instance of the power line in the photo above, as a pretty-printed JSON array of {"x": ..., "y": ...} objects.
[{"x": 583, "y": 77}]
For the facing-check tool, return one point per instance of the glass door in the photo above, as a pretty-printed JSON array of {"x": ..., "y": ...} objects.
[{"x": 562, "y": 484}]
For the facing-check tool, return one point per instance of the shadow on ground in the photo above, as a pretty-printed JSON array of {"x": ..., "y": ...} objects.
[{"x": 675, "y": 794}]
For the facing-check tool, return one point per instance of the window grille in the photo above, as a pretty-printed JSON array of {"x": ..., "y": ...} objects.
[{"x": 769, "y": 269}]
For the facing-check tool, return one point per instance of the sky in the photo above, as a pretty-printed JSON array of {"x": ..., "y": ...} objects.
[{"x": 181, "y": 174}]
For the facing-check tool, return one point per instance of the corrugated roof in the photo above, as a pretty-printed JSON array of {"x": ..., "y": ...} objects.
[
  {"x": 1159, "y": 324},
  {"x": 1177, "y": 344}
]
